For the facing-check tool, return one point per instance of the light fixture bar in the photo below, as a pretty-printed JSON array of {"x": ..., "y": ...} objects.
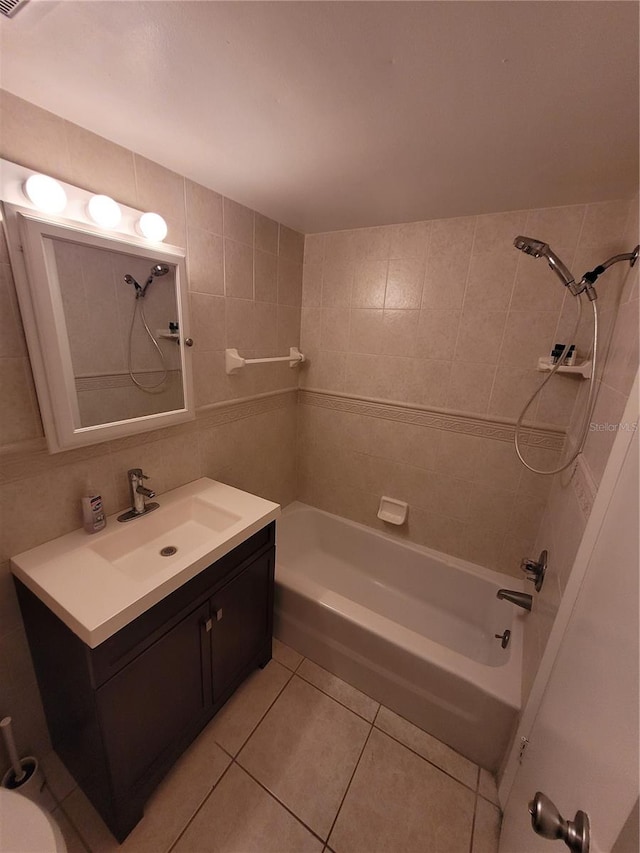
[{"x": 65, "y": 203}]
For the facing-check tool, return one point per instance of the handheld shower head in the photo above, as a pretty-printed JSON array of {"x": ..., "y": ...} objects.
[{"x": 531, "y": 246}]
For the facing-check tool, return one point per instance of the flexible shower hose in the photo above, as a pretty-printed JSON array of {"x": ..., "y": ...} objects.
[
  {"x": 148, "y": 388},
  {"x": 590, "y": 398}
]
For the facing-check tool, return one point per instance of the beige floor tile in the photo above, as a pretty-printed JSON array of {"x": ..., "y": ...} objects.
[
  {"x": 340, "y": 690},
  {"x": 305, "y": 751},
  {"x": 487, "y": 787},
  {"x": 398, "y": 802},
  {"x": 61, "y": 783},
  {"x": 88, "y": 823},
  {"x": 286, "y": 655},
  {"x": 241, "y": 817},
  {"x": 71, "y": 838},
  {"x": 428, "y": 747},
  {"x": 486, "y": 830},
  {"x": 235, "y": 721},
  {"x": 167, "y": 811}
]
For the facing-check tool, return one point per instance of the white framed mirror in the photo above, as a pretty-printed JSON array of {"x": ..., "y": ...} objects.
[{"x": 107, "y": 327}]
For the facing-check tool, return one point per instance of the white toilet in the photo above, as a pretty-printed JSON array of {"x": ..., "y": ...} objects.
[{"x": 25, "y": 827}]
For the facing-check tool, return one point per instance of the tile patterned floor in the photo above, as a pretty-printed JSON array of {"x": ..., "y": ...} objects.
[{"x": 298, "y": 761}]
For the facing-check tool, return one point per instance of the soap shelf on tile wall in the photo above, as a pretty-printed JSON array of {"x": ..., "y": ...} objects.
[
  {"x": 234, "y": 361},
  {"x": 167, "y": 336},
  {"x": 584, "y": 369}
]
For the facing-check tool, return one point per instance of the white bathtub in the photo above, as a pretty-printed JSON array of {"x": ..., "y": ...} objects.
[{"x": 409, "y": 626}]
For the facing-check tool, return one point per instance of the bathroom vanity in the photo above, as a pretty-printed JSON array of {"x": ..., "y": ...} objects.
[{"x": 121, "y": 710}]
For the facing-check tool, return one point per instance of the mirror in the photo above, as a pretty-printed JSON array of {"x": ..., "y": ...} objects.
[{"x": 106, "y": 323}]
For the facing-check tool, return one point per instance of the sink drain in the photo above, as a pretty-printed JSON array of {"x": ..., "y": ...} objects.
[{"x": 168, "y": 551}]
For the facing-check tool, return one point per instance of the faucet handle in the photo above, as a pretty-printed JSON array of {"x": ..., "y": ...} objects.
[
  {"x": 535, "y": 569},
  {"x": 136, "y": 473}
]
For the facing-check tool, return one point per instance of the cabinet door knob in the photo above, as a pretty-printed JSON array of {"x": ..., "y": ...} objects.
[
  {"x": 218, "y": 614},
  {"x": 207, "y": 624}
]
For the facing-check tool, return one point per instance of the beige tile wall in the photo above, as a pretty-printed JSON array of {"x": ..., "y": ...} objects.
[
  {"x": 564, "y": 519},
  {"x": 245, "y": 279},
  {"x": 468, "y": 495},
  {"x": 445, "y": 315}
]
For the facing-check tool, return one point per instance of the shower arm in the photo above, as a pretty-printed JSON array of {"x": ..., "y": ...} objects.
[{"x": 589, "y": 278}]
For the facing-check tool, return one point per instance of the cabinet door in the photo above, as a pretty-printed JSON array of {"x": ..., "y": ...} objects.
[
  {"x": 158, "y": 701},
  {"x": 242, "y": 614}
]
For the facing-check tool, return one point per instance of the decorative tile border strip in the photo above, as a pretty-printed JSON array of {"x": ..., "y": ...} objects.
[
  {"x": 248, "y": 407},
  {"x": 30, "y": 458},
  {"x": 99, "y": 382},
  {"x": 584, "y": 486},
  {"x": 499, "y": 430}
]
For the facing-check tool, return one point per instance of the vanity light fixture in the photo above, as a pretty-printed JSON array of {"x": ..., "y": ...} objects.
[
  {"x": 45, "y": 193},
  {"x": 104, "y": 211},
  {"x": 152, "y": 226}
]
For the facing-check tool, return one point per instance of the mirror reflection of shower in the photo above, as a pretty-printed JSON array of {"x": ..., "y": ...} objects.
[
  {"x": 540, "y": 249},
  {"x": 138, "y": 307}
]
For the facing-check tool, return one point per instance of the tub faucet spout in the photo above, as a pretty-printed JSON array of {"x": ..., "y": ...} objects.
[{"x": 521, "y": 599}]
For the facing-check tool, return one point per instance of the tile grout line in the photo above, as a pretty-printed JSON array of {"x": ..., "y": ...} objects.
[
  {"x": 271, "y": 704},
  {"x": 473, "y": 822},
  {"x": 357, "y": 713},
  {"x": 346, "y": 790},
  {"x": 232, "y": 761},
  {"x": 428, "y": 760},
  {"x": 258, "y": 782},
  {"x": 271, "y": 793},
  {"x": 275, "y": 797},
  {"x": 197, "y": 811},
  {"x": 76, "y": 829},
  {"x": 393, "y": 737}
]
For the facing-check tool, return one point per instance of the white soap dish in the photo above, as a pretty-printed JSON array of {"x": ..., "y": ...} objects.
[{"x": 393, "y": 511}]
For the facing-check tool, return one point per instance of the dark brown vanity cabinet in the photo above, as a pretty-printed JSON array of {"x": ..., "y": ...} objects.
[{"x": 120, "y": 714}]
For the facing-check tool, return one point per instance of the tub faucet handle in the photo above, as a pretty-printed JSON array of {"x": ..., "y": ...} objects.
[{"x": 535, "y": 569}]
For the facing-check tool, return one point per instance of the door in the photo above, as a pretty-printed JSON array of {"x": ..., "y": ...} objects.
[
  {"x": 583, "y": 745},
  {"x": 242, "y": 621},
  {"x": 156, "y": 700}
]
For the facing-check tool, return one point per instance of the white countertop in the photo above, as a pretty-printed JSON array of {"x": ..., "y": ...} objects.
[{"x": 97, "y": 584}]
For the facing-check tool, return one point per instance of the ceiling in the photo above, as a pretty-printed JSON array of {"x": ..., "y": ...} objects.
[{"x": 330, "y": 115}]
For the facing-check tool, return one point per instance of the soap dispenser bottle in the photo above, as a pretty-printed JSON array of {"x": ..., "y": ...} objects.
[{"x": 93, "y": 516}]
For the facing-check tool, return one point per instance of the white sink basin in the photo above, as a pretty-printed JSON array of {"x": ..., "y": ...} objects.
[
  {"x": 98, "y": 584},
  {"x": 185, "y": 526}
]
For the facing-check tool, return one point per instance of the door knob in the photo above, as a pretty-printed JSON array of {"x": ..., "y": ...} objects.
[{"x": 547, "y": 821}]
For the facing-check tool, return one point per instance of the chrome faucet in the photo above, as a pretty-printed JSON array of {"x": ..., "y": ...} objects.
[
  {"x": 521, "y": 599},
  {"x": 138, "y": 495}
]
